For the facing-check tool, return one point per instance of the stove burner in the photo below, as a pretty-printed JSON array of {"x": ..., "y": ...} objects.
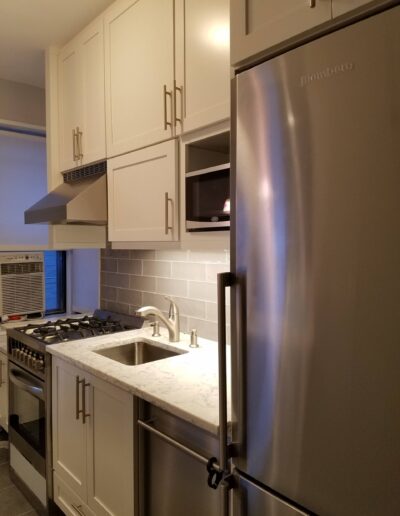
[{"x": 63, "y": 330}]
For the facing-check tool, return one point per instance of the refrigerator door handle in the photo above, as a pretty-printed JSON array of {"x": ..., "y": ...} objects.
[{"x": 224, "y": 280}]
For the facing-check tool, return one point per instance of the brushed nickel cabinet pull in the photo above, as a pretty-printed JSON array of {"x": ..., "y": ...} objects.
[
  {"x": 167, "y": 200},
  {"x": 84, "y": 413},
  {"x": 167, "y": 93},
  {"x": 77, "y": 409},
  {"x": 74, "y": 145},
  {"x": 79, "y": 141},
  {"x": 180, "y": 89}
]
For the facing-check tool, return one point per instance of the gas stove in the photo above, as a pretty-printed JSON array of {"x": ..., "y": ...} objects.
[
  {"x": 27, "y": 344},
  {"x": 29, "y": 379}
]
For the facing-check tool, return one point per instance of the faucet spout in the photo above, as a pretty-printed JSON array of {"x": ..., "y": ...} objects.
[{"x": 172, "y": 323}]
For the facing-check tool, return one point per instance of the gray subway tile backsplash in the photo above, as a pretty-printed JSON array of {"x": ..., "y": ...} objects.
[{"x": 130, "y": 279}]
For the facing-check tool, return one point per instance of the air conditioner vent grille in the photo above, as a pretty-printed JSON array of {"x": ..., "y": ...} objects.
[
  {"x": 21, "y": 268},
  {"x": 22, "y": 293}
]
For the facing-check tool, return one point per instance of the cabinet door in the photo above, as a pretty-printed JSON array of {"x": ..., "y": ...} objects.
[
  {"x": 257, "y": 26},
  {"x": 110, "y": 450},
  {"x": 139, "y": 49},
  {"x": 202, "y": 62},
  {"x": 343, "y": 6},
  {"x": 92, "y": 116},
  {"x": 4, "y": 391},
  {"x": 142, "y": 195},
  {"x": 69, "y": 433},
  {"x": 70, "y": 104}
]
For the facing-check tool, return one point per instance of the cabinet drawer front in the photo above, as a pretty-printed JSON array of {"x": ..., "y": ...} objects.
[{"x": 68, "y": 501}]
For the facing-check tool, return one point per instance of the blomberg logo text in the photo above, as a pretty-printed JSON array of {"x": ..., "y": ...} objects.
[{"x": 329, "y": 72}]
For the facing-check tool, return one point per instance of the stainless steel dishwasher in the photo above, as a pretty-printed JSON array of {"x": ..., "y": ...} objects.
[{"x": 172, "y": 478}]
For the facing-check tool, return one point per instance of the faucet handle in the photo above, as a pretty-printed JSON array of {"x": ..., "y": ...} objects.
[{"x": 173, "y": 312}]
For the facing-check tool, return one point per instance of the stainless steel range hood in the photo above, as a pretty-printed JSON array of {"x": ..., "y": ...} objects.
[{"x": 76, "y": 202}]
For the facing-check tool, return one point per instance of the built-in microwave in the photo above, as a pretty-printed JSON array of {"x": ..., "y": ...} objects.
[{"x": 208, "y": 199}]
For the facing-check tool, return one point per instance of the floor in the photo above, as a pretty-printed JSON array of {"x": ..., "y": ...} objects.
[{"x": 12, "y": 501}]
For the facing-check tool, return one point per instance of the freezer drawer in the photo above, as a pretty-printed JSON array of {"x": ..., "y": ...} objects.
[
  {"x": 251, "y": 500},
  {"x": 171, "y": 481}
]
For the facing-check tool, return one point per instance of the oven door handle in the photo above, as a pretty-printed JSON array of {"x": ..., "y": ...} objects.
[{"x": 27, "y": 383}]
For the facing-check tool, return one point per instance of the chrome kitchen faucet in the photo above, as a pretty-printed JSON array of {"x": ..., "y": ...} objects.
[{"x": 172, "y": 323}]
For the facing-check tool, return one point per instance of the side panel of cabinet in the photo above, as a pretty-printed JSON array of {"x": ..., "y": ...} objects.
[
  {"x": 93, "y": 108},
  {"x": 142, "y": 195},
  {"x": 202, "y": 62},
  {"x": 3, "y": 391},
  {"x": 69, "y": 433},
  {"x": 69, "y": 95},
  {"x": 257, "y": 26},
  {"x": 110, "y": 450},
  {"x": 139, "y": 61}
]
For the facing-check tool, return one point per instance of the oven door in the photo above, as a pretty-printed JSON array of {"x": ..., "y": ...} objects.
[
  {"x": 27, "y": 422},
  {"x": 208, "y": 199}
]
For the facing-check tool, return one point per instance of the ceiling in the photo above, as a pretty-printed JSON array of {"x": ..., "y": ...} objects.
[{"x": 28, "y": 27}]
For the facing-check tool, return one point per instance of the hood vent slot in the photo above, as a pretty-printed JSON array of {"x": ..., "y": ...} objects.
[{"x": 86, "y": 172}]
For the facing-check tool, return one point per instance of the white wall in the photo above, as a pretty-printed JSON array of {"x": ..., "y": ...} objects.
[{"x": 22, "y": 103}]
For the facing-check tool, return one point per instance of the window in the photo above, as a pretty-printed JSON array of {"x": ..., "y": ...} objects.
[{"x": 55, "y": 281}]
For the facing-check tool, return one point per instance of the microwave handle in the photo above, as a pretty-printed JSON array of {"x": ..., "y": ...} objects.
[{"x": 27, "y": 384}]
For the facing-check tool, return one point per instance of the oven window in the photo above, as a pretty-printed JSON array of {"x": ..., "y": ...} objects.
[
  {"x": 27, "y": 412},
  {"x": 55, "y": 281},
  {"x": 207, "y": 197}
]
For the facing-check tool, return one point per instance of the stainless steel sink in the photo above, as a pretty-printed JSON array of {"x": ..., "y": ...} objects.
[{"x": 136, "y": 353}]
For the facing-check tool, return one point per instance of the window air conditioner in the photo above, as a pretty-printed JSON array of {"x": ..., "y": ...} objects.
[{"x": 21, "y": 284}]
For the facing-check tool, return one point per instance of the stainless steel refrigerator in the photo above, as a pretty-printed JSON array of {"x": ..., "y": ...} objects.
[{"x": 316, "y": 271}]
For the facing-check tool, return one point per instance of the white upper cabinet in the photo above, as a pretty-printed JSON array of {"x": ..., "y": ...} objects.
[
  {"x": 81, "y": 99},
  {"x": 70, "y": 105},
  {"x": 202, "y": 63},
  {"x": 167, "y": 69},
  {"x": 139, "y": 67},
  {"x": 257, "y": 26},
  {"x": 343, "y": 6},
  {"x": 142, "y": 195}
]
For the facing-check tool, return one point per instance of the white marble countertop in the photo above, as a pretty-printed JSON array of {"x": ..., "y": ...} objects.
[{"x": 185, "y": 385}]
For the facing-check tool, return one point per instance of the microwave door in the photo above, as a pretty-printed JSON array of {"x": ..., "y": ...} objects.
[{"x": 208, "y": 200}]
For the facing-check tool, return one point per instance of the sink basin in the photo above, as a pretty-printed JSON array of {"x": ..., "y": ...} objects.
[{"x": 136, "y": 353}]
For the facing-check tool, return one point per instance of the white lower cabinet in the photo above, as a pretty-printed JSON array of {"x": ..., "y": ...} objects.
[
  {"x": 4, "y": 391},
  {"x": 142, "y": 195},
  {"x": 92, "y": 443}
]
